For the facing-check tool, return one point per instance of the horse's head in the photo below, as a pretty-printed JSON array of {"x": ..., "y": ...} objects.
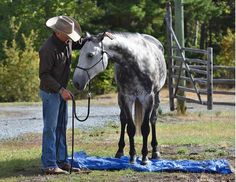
[{"x": 92, "y": 60}]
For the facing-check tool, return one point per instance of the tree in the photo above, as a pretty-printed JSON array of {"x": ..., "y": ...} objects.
[
  {"x": 226, "y": 56},
  {"x": 207, "y": 22},
  {"x": 19, "y": 70},
  {"x": 198, "y": 13},
  {"x": 143, "y": 16}
]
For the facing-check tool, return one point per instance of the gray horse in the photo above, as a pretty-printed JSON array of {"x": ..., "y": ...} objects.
[{"x": 140, "y": 73}]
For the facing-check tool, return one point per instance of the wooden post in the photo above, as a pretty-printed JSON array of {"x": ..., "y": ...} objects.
[
  {"x": 170, "y": 55},
  {"x": 209, "y": 78},
  {"x": 179, "y": 30}
]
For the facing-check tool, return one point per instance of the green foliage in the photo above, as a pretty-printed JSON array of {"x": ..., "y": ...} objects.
[
  {"x": 226, "y": 56},
  {"x": 227, "y": 53},
  {"x": 197, "y": 13},
  {"x": 19, "y": 70},
  {"x": 144, "y": 16},
  {"x": 206, "y": 25},
  {"x": 207, "y": 21}
]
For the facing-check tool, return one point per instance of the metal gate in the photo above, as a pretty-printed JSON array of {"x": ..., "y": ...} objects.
[{"x": 198, "y": 71}]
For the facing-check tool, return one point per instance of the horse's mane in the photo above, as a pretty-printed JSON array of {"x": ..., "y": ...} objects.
[
  {"x": 137, "y": 38},
  {"x": 135, "y": 43},
  {"x": 126, "y": 34}
]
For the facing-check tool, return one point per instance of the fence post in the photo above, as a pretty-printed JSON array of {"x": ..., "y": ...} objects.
[
  {"x": 179, "y": 30},
  {"x": 209, "y": 78},
  {"x": 169, "y": 56}
]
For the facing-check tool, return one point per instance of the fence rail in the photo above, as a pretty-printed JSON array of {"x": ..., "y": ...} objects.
[
  {"x": 197, "y": 71},
  {"x": 194, "y": 50},
  {"x": 190, "y": 60}
]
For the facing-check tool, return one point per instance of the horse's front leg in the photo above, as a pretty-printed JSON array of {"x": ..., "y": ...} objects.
[
  {"x": 121, "y": 144},
  {"x": 126, "y": 104}
]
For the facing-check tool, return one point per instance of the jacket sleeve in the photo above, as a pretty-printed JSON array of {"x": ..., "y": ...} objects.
[
  {"x": 45, "y": 70},
  {"x": 79, "y": 44}
]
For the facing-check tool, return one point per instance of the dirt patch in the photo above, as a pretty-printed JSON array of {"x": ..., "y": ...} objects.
[
  {"x": 198, "y": 152},
  {"x": 181, "y": 177},
  {"x": 29, "y": 140}
]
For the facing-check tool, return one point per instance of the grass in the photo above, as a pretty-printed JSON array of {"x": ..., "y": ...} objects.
[
  {"x": 100, "y": 100},
  {"x": 194, "y": 136}
]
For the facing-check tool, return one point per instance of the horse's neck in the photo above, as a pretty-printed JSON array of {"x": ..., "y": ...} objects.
[{"x": 122, "y": 51}]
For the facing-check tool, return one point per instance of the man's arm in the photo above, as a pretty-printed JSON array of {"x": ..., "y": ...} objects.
[
  {"x": 79, "y": 44},
  {"x": 45, "y": 67}
]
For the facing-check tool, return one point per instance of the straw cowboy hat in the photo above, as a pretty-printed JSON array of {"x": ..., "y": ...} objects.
[{"x": 66, "y": 25}]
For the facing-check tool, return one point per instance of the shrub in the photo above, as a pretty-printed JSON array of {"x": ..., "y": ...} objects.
[{"x": 19, "y": 70}]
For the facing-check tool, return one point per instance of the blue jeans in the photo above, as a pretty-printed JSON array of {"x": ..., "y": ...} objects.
[{"x": 55, "y": 116}]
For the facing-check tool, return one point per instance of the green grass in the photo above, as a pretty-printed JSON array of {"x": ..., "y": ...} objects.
[
  {"x": 204, "y": 133},
  {"x": 212, "y": 133},
  {"x": 104, "y": 100}
]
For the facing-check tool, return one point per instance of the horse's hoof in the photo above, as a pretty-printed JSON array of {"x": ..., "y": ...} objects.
[
  {"x": 132, "y": 159},
  {"x": 144, "y": 161},
  {"x": 119, "y": 154},
  {"x": 156, "y": 155}
]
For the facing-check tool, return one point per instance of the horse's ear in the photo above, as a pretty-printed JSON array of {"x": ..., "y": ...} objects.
[
  {"x": 101, "y": 36},
  {"x": 87, "y": 34},
  {"x": 109, "y": 35}
]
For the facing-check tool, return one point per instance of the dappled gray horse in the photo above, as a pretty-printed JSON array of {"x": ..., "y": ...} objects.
[{"x": 140, "y": 73}]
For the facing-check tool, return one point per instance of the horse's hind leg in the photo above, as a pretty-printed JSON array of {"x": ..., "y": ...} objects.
[
  {"x": 121, "y": 144},
  {"x": 145, "y": 129},
  {"x": 154, "y": 143}
]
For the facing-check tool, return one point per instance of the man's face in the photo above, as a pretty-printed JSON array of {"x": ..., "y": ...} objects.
[{"x": 63, "y": 37}]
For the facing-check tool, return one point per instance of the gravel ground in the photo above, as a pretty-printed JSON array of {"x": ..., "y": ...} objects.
[{"x": 19, "y": 119}]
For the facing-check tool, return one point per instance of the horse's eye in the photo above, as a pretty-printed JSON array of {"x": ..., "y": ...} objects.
[{"x": 90, "y": 55}]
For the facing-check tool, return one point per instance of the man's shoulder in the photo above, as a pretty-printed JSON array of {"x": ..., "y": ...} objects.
[{"x": 47, "y": 45}]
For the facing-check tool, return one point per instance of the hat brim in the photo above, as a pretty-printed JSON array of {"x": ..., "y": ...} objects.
[{"x": 76, "y": 33}]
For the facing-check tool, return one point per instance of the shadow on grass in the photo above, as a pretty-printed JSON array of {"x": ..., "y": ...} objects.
[{"x": 19, "y": 167}]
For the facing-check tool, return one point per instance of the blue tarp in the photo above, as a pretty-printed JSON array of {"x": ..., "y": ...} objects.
[{"x": 82, "y": 160}]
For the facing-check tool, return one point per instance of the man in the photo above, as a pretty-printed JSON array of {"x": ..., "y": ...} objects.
[{"x": 54, "y": 69}]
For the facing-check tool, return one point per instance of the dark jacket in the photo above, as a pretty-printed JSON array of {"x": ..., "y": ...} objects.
[{"x": 54, "y": 66}]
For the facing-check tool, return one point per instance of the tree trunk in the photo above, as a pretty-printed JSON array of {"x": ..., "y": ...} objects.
[
  {"x": 196, "y": 33},
  {"x": 203, "y": 36}
]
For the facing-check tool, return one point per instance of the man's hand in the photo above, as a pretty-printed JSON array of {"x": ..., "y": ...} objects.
[{"x": 66, "y": 94}]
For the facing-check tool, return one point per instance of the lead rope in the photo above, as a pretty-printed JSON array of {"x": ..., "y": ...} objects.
[{"x": 74, "y": 115}]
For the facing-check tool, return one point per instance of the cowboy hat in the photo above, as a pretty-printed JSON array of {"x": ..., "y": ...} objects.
[{"x": 66, "y": 25}]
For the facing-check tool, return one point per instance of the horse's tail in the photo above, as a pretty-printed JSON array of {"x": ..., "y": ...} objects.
[{"x": 138, "y": 116}]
